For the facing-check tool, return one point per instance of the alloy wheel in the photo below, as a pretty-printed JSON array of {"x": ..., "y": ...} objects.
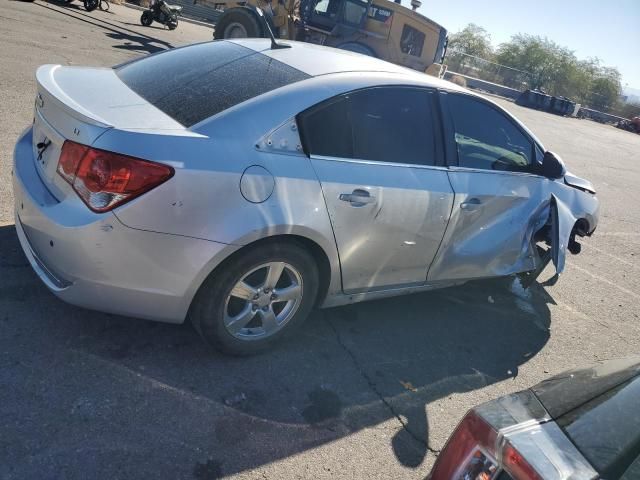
[{"x": 263, "y": 301}]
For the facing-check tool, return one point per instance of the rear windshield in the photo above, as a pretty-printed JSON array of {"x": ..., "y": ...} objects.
[{"x": 193, "y": 83}]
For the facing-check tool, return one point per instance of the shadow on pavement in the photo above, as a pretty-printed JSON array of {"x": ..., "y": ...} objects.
[
  {"x": 85, "y": 391},
  {"x": 132, "y": 40}
]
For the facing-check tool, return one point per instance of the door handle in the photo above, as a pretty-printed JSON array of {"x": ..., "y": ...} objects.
[
  {"x": 471, "y": 205},
  {"x": 358, "y": 198}
]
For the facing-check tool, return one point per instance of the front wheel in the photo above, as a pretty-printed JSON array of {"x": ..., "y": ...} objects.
[
  {"x": 173, "y": 24},
  {"x": 91, "y": 5},
  {"x": 257, "y": 298},
  {"x": 147, "y": 18}
]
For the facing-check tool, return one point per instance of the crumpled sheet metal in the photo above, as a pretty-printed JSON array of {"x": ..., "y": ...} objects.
[{"x": 497, "y": 240}]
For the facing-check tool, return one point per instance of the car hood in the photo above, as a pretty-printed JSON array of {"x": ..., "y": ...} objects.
[
  {"x": 579, "y": 183},
  {"x": 571, "y": 389}
]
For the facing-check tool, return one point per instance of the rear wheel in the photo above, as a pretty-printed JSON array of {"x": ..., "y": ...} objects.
[
  {"x": 147, "y": 18},
  {"x": 91, "y": 5},
  {"x": 238, "y": 23},
  {"x": 256, "y": 299}
]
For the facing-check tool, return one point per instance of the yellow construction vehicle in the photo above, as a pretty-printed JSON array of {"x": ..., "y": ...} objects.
[{"x": 380, "y": 28}]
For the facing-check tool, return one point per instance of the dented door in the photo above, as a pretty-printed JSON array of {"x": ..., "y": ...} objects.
[
  {"x": 493, "y": 219},
  {"x": 388, "y": 220}
]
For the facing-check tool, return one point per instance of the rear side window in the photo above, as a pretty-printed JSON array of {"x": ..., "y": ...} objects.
[
  {"x": 196, "y": 82},
  {"x": 385, "y": 124},
  {"x": 486, "y": 138}
]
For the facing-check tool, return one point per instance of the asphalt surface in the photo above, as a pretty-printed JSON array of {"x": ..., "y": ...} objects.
[{"x": 366, "y": 391}]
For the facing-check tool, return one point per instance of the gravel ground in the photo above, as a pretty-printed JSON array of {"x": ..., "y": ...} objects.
[{"x": 366, "y": 391}]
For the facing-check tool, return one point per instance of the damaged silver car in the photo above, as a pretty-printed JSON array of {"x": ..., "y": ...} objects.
[{"x": 239, "y": 186}]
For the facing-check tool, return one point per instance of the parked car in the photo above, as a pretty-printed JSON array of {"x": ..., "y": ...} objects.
[
  {"x": 240, "y": 186},
  {"x": 582, "y": 424}
]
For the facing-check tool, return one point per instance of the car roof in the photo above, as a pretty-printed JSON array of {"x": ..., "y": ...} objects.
[{"x": 318, "y": 60}]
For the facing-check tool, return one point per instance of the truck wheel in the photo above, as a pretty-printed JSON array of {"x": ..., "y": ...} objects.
[
  {"x": 357, "y": 48},
  {"x": 238, "y": 23},
  {"x": 146, "y": 18},
  {"x": 258, "y": 297},
  {"x": 91, "y": 5}
]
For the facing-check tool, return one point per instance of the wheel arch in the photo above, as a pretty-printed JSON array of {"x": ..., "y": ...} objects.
[
  {"x": 329, "y": 277},
  {"x": 582, "y": 227}
]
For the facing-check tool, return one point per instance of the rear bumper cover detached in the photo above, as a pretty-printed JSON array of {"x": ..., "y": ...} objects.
[{"x": 94, "y": 261}]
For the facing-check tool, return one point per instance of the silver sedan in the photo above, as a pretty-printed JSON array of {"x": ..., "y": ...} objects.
[{"x": 239, "y": 186}]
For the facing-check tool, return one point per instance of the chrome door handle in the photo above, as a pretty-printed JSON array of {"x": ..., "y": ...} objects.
[
  {"x": 358, "y": 198},
  {"x": 471, "y": 205}
]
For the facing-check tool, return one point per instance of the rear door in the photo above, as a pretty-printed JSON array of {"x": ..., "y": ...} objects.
[
  {"x": 377, "y": 155},
  {"x": 499, "y": 200}
]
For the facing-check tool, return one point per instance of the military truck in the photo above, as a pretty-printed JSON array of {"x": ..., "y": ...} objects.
[{"x": 380, "y": 28}]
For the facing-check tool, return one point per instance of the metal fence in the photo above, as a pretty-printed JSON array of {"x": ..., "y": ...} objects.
[{"x": 477, "y": 67}]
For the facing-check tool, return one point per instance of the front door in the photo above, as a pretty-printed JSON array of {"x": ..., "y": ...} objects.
[
  {"x": 499, "y": 202},
  {"x": 376, "y": 155}
]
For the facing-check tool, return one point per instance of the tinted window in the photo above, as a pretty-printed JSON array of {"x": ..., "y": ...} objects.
[
  {"x": 382, "y": 124},
  {"x": 326, "y": 130},
  {"x": 486, "y": 138},
  {"x": 193, "y": 83}
]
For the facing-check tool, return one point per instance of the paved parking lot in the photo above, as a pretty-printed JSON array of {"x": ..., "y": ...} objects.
[{"x": 366, "y": 391}]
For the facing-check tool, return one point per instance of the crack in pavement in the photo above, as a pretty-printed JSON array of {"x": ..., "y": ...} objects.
[{"x": 373, "y": 387}]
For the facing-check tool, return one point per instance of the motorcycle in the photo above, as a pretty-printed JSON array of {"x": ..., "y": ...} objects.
[
  {"x": 91, "y": 5},
  {"x": 161, "y": 12}
]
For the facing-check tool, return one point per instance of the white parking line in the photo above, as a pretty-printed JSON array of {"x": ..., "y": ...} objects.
[
  {"x": 621, "y": 260},
  {"x": 605, "y": 280}
]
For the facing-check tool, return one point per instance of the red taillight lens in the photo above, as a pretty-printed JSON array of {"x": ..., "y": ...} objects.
[
  {"x": 468, "y": 453},
  {"x": 70, "y": 157},
  {"x": 105, "y": 180}
]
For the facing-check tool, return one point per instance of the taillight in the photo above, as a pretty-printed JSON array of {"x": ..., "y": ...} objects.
[
  {"x": 512, "y": 437},
  {"x": 105, "y": 180},
  {"x": 469, "y": 453}
]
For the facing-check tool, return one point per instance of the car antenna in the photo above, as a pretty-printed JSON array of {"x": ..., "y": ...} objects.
[{"x": 274, "y": 45}]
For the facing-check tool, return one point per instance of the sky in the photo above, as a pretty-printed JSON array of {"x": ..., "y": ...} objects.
[{"x": 608, "y": 29}]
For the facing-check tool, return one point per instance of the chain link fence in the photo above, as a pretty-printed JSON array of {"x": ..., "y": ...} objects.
[{"x": 477, "y": 67}]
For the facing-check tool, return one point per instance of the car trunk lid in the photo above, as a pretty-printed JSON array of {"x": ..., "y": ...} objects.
[
  {"x": 80, "y": 104},
  {"x": 598, "y": 409}
]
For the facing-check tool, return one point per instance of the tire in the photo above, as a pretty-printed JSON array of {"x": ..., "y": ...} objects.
[
  {"x": 215, "y": 307},
  {"x": 146, "y": 18},
  {"x": 357, "y": 48},
  {"x": 238, "y": 23},
  {"x": 91, "y": 5},
  {"x": 173, "y": 25},
  {"x": 104, "y": 5}
]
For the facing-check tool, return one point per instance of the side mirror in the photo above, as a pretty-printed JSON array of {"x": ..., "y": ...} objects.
[{"x": 553, "y": 166}]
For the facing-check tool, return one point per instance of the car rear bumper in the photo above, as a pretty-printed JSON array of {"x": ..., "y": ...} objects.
[{"x": 94, "y": 261}]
